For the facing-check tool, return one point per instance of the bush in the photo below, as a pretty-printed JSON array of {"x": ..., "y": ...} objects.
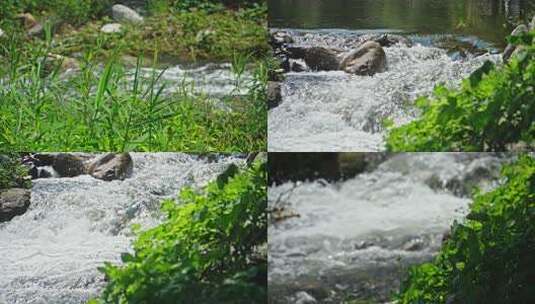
[
  {"x": 206, "y": 251},
  {"x": 13, "y": 173},
  {"x": 490, "y": 257},
  {"x": 493, "y": 109}
]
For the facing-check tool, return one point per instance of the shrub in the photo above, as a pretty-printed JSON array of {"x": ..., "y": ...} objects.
[
  {"x": 489, "y": 257},
  {"x": 206, "y": 251},
  {"x": 494, "y": 108},
  {"x": 13, "y": 173}
]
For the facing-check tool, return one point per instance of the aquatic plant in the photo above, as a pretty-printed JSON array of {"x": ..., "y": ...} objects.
[
  {"x": 492, "y": 110},
  {"x": 207, "y": 249},
  {"x": 489, "y": 257}
]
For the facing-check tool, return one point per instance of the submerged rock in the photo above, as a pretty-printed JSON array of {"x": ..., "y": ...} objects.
[
  {"x": 111, "y": 28},
  {"x": 13, "y": 202},
  {"x": 368, "y": 59},
  {"x": 274, "y": 95},
  {"x": 111, "y": 166},
  {"x": 322, "y": 59},
  {"x": 122, "y": 13}
]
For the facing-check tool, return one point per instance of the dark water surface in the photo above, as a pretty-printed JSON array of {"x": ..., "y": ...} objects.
[{"x": 490, "y": 20}]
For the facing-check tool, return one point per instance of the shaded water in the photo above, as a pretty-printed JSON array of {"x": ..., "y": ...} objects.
[
  {"x": 51, "y": 253},
  {"x": 357, "y": 237},
  {"x": 491, "y": 20}
]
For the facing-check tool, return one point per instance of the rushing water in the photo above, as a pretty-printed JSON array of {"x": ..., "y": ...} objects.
[
  {"x": 356, "y": 237},
  {"x": 51, "y": 253},
  {"x": 336, "y": 111}
]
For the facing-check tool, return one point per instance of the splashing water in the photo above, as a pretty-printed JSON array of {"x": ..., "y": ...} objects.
[
  {"x": 358, "y": 235},
  {"x": 336, "y": 111},
  {"x": 51, "y": 253}
]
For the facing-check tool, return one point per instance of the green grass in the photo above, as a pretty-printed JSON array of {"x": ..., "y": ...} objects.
[
  {"x": 489, "y": 256},
  {"x": 98, "y": 110},
  {"x": 492, "y": 111},
  {"x": 205, "y": 251},
  {"x": 12, "y": 172}
]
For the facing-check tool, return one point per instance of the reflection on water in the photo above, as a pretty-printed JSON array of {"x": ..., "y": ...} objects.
[{"x": 490, "y": 20}]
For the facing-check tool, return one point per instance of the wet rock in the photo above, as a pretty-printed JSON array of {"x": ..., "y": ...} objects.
[
  {"x": 297, "y": 66},
  {"x": 368, "y": 59},
  {"x": 280, "y": 38},
  {"x": 388, "y": 40},
  {"x": 111, "y": 28},
  {"x": 274, "y": 95},
  {"x": 510, "y": 49},
  {"x": 68, "y": 165},
  {"x": 296, "y": 52},
  {"x": 111, "y": 166},
  {"x": 303, "y": 297},
  {"x": 322, "y": 59},
  {"x": 13, "y": 202},
  {"x": 122, "y": 13}
]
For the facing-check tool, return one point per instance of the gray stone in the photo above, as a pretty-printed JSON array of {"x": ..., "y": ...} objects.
[
  {"x": 122, "y": 13},
  {"x": 111, "y": 166},
  {"x": 68, "y": 165},
  {"x": 322, "y": 59},
  {"x": 510, "y": 49},
  {"x": 368, "y": 59},
  {"x": 303, "y": 297},
  {"x": 111, "y": 28},
  {"x": 13, "y": 202},
  {"x": 274, "y": 96}
]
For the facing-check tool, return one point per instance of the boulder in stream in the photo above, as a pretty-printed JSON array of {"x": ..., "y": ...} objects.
[
  {"x": 68, "y": 165},
  {"x": 13, "y": 202},
  {"x": 111, "y": 166},
  {"x": 368, "y": 59},
  {"x": 388, "y": 40},
  {"x": 274, "y": 96},
  {"x": 122, "y": 13},
  {"x": 510, "y": 49},
  {"x": 322, "y": 59}
]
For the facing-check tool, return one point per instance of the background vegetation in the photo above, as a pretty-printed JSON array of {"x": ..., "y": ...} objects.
[
  {"x": 207, "y": 249},
  {"x": 489, "y": 257},
  {"x": 12, "y": 172}
]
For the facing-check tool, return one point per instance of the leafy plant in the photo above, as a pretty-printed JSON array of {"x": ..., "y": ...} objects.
[
  {"x": 13, "y": 173},
  {"x": 489, "y": 257},
  {"x": 206, "y": 251},
  {"x": 493, "y": 110}
]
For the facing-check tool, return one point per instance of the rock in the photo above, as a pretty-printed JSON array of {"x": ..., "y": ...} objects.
[
  {"x": 274, "y": 95},
  {"x": 296, "y": 52},
  {"x": 65, "y": 63},
  {"x": 13, "y": 202},
  {"x": 297, "y": 66},
  {"x": 111, "y": 28},
  {"x": 122, "y": 13},
  {"x": 111, "y": 166},
  {"x": 280, "y": 38},
  {"x": 303, "y": 297},
  {"x": 68, "y": 165},
  {"x": 510, "y": 49},
  {"x": 28, "y": 20},
  {"x": 37, "y": 30},
  {"x": 368, "y": 59},
  {"x": 322, "y": 59},
  {"x": 388, "y": 40}
]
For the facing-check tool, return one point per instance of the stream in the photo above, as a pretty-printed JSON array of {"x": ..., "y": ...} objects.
[
  {"x": 356, "y": 238},
  {"x": 51, "y": 253},
  {"x": 333, "y": 111}
]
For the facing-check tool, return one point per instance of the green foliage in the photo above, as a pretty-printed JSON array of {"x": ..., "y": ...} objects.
[
  {"x": 41, "y": 111},
  {"x": 494, "y": 108},
  {"x": 13, "y": 173},
  {"x": 206, "y": 251},
  {"x": 489, "y": 257}
]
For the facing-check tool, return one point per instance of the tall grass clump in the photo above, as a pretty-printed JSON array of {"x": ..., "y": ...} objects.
[
  {"x": 493, "y": 110},
  {"x": 207, "y": 250},
  {"x": 101, "y": 108},
  {"x": 489, "y": 256}
]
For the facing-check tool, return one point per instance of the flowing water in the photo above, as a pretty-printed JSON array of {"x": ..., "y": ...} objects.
[
  {"x": 51, "y": 253},
  {"x": 336, "y": 111},
  {"x": 357, "y": 237}
]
